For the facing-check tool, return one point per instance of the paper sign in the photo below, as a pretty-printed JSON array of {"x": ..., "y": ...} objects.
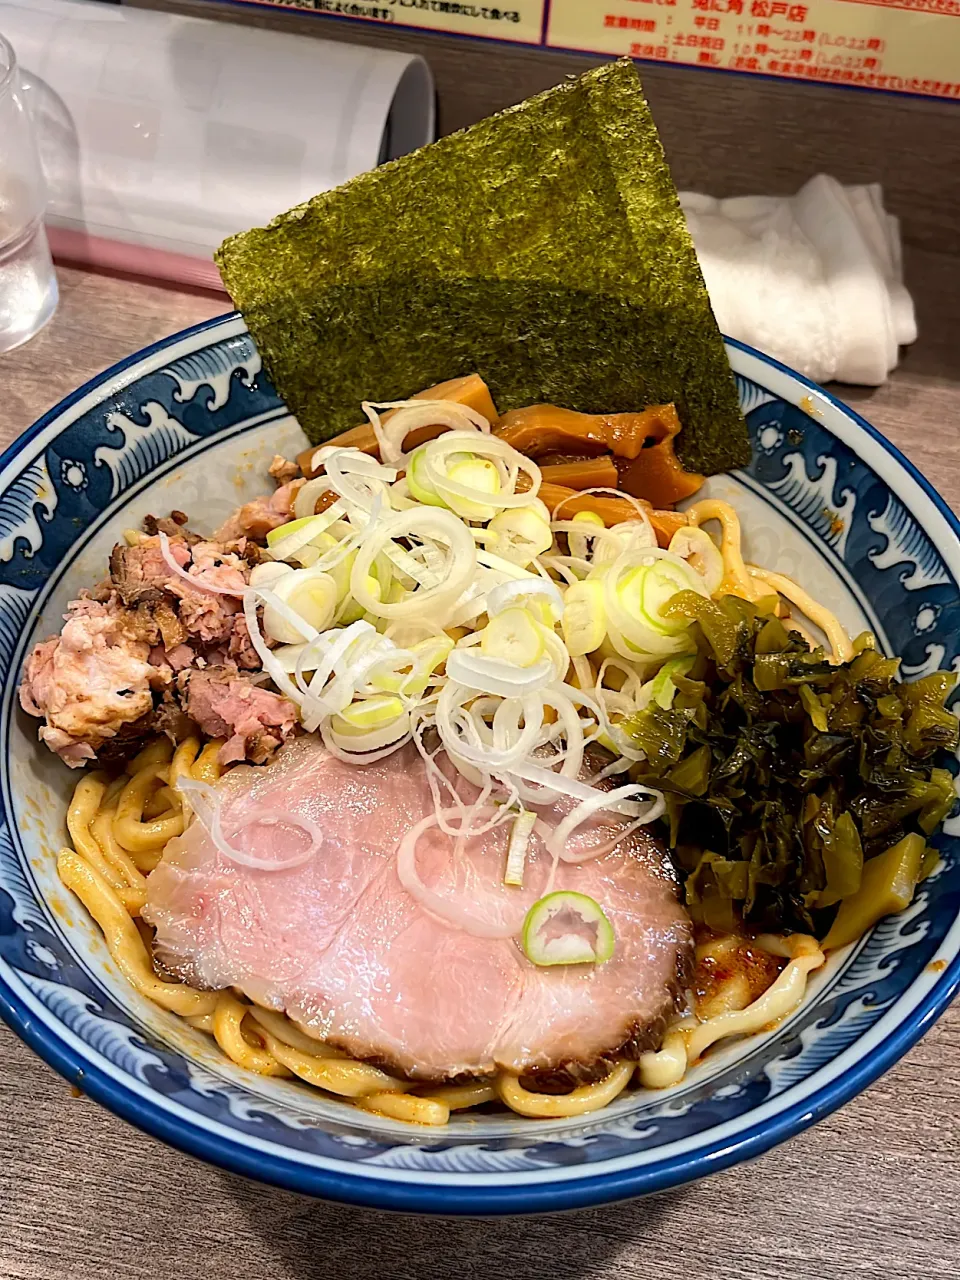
[
  {"x": 517, "y": 21},
  {"x": 878, "y": 44},
  {"x": 904, "y": 46}
]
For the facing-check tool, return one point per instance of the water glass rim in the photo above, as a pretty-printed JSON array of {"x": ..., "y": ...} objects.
[{"x": 8, "y": 64}]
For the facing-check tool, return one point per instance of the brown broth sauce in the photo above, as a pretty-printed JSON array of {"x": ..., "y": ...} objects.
[{"x": 730, "y": 972}]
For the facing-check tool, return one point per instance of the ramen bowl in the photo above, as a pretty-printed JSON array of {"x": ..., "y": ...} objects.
[{"x": 192, "y": 423}]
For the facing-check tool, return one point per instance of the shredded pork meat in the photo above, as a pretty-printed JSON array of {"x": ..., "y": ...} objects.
[
  {"x": 90, "y": 680},
  {"x": 150, "y": 650},
  {"x": 257, "y": 518},
  {"x": 253, "y": 721}
]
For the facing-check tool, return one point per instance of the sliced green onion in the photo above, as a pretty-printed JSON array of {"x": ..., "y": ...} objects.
[
  {"x": 408, "y": 564},
  {"x": 647, "y": 588},
  {"x": 353, "y": 611},
  {"x": 445, "y": 452},
  {"x": 339, "y": 572},
  {"x": 369, "y": 713},
  {"x": 662, "y": 687},
  {"x": 538, "y": 594},
  {"x": 296, "y": 534},
  {"x": 576, "y": 541},
  {"x": 306, "y": 557},
  {"x": 287, "y": 655},
  {"x": 520, "y": 535},
  {"x": 513, "y": 636},
  {"x": 637, "y": 588},
  {"x": 374, "y": 737},
  {"x": 567, "y": 928},
  {"x": 311, "y": 594},
  {"x": 584, "y": 621},
  {"x": 479, "y": 474},
  {"x": 701, "y": 553},
  {"x": 410, "y": 672},
  {"x": 418, "y": 482},
  {"x": 497, "y": 677},
  {"x": 411, "y": 414},
  {"x": 284, "y": 530},
  {"x": 268, "y": 572},
  {"x": 523, "y": 826},
  {"x": 456, "y": 563},
  {"x": 511, "y": 571}
]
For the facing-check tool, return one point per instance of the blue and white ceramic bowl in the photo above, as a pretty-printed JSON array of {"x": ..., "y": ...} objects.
[{"x": 192, "y": 423}]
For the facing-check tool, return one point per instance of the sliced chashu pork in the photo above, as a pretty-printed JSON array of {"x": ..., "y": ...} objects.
[{"x": 344, "y": 949}]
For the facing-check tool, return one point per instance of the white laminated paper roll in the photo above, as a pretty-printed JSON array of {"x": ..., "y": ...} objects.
[{"x": 160, "y": 134}]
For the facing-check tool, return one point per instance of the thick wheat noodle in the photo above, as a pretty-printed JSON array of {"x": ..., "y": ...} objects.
[
  {"x": 588, "y": 1097},
  {"x": 794, "y": 624},
  {"x": 184, "y": 759},
  {"x": 134, "y": 889},
  {"x": 688, "y": 1039},
  {"x": 113, "y": 790},
  {"x": 287, "y": 1032},
  {"x": 82, "y": 810},
  {"x": 146, "y": 859},
  {"x": 106, "y": 876},
  {"x": 181, "y": 766},
  {"x": 228, "y": 1032},
  {"x": 837, "y": 638},
  {"x": 158, "y": 751},
  {"x": 207, "y": 767},
  {"x": 406, "y": 1107},
  {"x": 200, "y": 1021},
  {"x": 741, "y": 579},
  {"x": 164, "y": 801},
  {"x": 131, "y": 831},
  {"x": 123, "y": 938},
  {"x": 145, "y": 841},
  {"x": 736, "y": 579},
  {"x": 457, "y": 1097},
  {"x": 84, "y": 815},
  {"x": 345, "y": 1076},
  {"x": 370, "y": 1088}
]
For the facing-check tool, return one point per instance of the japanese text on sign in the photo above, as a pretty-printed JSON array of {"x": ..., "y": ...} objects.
[{"x": 906, "y": 46}]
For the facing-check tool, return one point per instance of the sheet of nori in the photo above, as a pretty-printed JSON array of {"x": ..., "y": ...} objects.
[{"x": 544, "y": 248}]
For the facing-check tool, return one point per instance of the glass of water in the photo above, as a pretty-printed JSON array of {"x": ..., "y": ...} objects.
[{"x": 28, "y": 285}]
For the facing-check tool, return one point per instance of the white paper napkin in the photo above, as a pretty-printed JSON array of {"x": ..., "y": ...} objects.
[{"x": 814, "y": 280}]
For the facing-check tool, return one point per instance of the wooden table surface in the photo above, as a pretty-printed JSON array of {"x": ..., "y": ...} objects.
[{"x": 873, "y": 1190}]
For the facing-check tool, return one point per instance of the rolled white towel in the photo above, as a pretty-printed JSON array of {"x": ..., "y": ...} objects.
[{"x": 815, "y": 279}]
